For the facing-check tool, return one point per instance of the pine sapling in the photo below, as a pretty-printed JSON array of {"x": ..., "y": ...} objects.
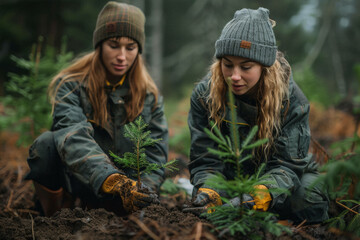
[
  {"x": 137, "y": 160},
  {"x": 340, "y": 179},
  {"x": 231, "y": 218},
  {"x": 27, "y": 109}
]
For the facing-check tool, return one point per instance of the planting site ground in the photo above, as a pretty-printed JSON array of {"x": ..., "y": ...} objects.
[{"x": 20, "y": 220}]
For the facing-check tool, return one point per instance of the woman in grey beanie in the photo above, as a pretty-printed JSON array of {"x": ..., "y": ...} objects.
[
  {"x": 265, "y": 95},
  {"x": 92, "y": 100}
]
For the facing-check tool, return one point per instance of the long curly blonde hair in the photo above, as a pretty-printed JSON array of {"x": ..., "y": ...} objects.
[
  {"x": 271, "y": 93},
  {"x": 89, "y": 70}
]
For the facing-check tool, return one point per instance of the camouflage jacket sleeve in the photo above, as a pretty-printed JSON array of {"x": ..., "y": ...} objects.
[
  {"x": 154, "y": 116},
  {"x": 291, "y": 158},
  {"x": 203, "y": 165},
  {"x": 73, "y": 136}
]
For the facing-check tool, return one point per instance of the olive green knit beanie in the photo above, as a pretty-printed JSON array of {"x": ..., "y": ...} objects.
[
  {"x": 120, "y": 20},
  {"x": 250, "y": 35}
]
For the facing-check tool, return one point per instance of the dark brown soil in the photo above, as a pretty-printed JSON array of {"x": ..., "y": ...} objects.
[
  {"x": 153, "y": 222},
  {"x": 19, "y": 220}
]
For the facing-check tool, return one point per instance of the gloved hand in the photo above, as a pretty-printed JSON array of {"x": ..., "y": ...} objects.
[
  {"x": 205, "y": 199},
  {"x": 260, "y": 199},
  {"x": 248, "y": 201},
  {"x": 131, "y": 197}
]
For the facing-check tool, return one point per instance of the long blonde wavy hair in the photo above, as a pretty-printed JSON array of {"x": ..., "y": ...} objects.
[
  {"x": 89, "y": 70},
  {"x": 271, "y": 93}
]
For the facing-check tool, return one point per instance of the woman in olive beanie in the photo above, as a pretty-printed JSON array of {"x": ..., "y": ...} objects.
[
  {"x": 265, "y": 95},
  {"x": 92, "y": 99}
]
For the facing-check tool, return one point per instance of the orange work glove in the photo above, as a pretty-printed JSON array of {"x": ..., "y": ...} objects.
[
  {"x": 262, "y": 198},
  {"x": 259, "y": 200},
  {"x": 127, "y": 189},
  {"x": 207, "y": 198}
]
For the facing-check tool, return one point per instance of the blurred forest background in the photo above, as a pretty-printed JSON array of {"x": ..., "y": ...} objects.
[
  {"x": 38, "y": 37},
  {"x": 320, "y": 39}
]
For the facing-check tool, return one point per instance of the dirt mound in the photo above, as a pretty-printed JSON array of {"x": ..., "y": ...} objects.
[
  {"x": 331, "y": 125},
  {"x": 19, "y": 220},
  {"x": 152, "y": 222}
]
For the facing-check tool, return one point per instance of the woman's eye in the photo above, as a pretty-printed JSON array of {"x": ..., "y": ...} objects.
[
  {"x": 112, "y": 45},
  {"x": 228, "y": 65},
  {"x": 245, "y": 67}
]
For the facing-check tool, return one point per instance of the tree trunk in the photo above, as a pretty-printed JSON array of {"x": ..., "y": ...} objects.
[
  {"x": 337, "y": 66},
  {"x": 323, "y": 33},
  {"x": 156, "y": 42}
]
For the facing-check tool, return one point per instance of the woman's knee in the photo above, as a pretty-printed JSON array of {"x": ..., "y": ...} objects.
[
  {"x": 310, "y": 201},
  {"x": 44, "y": 161}
]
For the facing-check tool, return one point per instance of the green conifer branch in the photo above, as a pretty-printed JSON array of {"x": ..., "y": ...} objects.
[
  {"x": 137, "y": 160},
  {"x": 238, "y": 219},
  {"x": 26, "y": 106}
]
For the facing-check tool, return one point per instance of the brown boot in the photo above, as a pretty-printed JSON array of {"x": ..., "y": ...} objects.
[{"x": 52, "y": 201}]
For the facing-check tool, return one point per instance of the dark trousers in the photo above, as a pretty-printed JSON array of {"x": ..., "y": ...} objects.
[
  {"x": 309, "y": 202},
  {"x": 47, "y": 169}
]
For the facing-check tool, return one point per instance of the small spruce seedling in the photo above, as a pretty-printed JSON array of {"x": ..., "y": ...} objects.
[
  {"x": 136, "y": 160},
  {"x": 340, "y": 178},
  {"x": 26, "y": 106},
  {"x": 231, "y": 218}
]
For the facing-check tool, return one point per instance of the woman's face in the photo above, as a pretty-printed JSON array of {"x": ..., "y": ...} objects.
[
  {"x": 243, "y": 72},
  {"x": 118, "y": 55}
]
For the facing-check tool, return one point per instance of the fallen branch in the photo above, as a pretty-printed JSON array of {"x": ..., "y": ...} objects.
[
  {"x": 301, "y": 224},
  {"x": 32, "y": 227},
  {"x": 20, "y": 192},
  {"x": 7, "y": 209},
  {"x": 19, "y": 175},
  {"x": 28, "y": 211},
  {"x": 320, "y": 153},
  {"x": 144, "y": 228},
  {"x": 198, "y": 230},
  {"x": 199, "y": 234},
  {"x": 10, "y": 199},
  {"x": 346, "y": 207}
]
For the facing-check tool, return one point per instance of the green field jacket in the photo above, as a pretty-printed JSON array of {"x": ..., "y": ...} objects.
[
  {"x": 84, "y": 146},
  {"x": 285, "y": 167}
]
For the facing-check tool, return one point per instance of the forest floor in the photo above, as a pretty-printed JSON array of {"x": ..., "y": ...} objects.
[{"x": 20, "y": 220}]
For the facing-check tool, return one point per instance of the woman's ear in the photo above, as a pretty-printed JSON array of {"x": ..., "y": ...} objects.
[{"x": 272, "y": 22}]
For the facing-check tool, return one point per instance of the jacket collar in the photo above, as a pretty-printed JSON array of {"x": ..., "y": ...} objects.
[{"x": 246, "y": 114}]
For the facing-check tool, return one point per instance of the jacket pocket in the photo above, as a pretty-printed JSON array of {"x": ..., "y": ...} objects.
[{"x": 298, "y": 141}]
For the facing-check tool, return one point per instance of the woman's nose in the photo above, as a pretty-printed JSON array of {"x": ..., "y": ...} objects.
[
  {"x": 236, "y": 74},
  {"x": 121, "y": 55}
]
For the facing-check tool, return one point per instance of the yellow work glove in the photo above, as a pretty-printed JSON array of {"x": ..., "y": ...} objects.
[
  {"x": 262, "y": 198},
  {"x": 259, "y": 200},
  {"x": 205, "y": 199},
  {"x": 131, "y": 197}
]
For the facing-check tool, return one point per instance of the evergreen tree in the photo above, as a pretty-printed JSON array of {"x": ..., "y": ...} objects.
[{"x": 136, "y": 160}]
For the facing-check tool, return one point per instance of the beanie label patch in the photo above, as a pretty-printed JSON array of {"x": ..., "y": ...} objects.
[
  {"x": 111, "y": 27},
  {"x": 245, "y": 44}
]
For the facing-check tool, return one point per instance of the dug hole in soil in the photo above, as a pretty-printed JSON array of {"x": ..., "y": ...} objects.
[{"x": 19, "y": 220}]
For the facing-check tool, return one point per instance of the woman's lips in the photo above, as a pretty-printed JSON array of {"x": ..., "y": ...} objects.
[
  {"x": 237, "y": 87},
  {"x": 119, "y": 67}
]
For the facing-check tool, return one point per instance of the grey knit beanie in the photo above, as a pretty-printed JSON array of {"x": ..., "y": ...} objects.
[
  {"x": 120, "y": 20},
  {"x": 250, "y": 35}
]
